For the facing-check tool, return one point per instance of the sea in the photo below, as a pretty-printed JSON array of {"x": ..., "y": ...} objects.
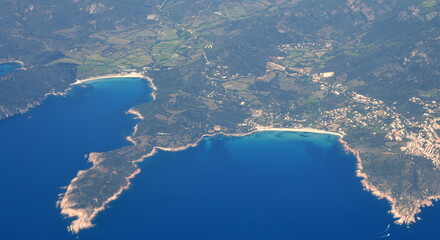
[
  {"x": 267, "y": 185},
  {"x": 8, "y": 67}
]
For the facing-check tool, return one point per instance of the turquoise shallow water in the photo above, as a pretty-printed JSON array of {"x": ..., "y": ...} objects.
[
  {"x": 8, "y": 67},
  {"x": 269, "y": 185}
]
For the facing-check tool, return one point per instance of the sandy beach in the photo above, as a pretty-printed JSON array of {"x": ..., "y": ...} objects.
[
  {"x": 258, "y": 129},
  {"x": 120, "y": 75},
  {"x": 308, "y": 130},
  {"x": 117, "y": 75},
  {"x": 12, "y": 61},
  {"x": 22, "y": 68}
]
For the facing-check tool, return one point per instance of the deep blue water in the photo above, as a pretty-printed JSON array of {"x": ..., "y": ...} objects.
[
  {"x": 43, "y": 150},
  {"x": 8, "y": 67},
  {"x": 268, "y": 185}
]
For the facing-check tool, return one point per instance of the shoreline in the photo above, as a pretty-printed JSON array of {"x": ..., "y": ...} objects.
[
  {"x": 257, "y": 130},
  {"x": 12, "y": 61},
  {"x": 120, "y": 75},
  {"x": 82, "y": 81},
  {"x": 136, "y": 113},
  {"x": 53, "y": 93},
  {"x": 401, "y": 218},
  {"x": 84, "y": 217},
  {"x": 368, "y": 186},
  {"x": 22, "y": 64},
  {"x": 117, "y": 75}
]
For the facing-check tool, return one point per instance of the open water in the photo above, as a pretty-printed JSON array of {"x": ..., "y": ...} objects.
[{"x": 270, "y": 185}]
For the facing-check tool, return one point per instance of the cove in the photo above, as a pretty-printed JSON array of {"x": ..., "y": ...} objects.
[
  {"x": 8, "y": 67},
  {"x": 44, "y": 149}
]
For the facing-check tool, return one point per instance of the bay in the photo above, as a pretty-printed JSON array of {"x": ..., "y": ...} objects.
[
  {"x": 8, "y": 67},
  {"x": 269, "y": 185},
  {"x": 43, "y": 150}
]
